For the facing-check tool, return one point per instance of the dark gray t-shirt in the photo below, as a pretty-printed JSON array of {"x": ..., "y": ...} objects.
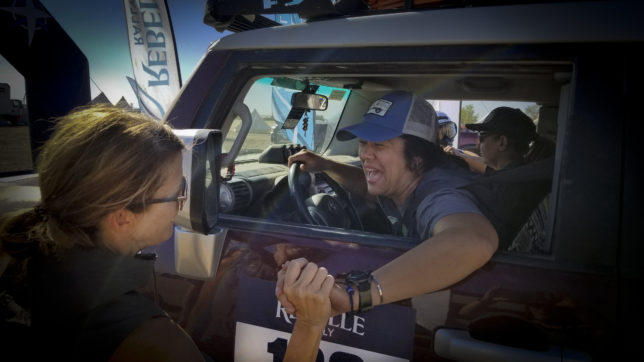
[
  {"x": 436, "y": 196},
  {"x": 86, "y": 302}
]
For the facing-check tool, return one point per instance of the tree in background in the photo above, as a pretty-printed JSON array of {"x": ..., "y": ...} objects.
[
  {"x": 532, "y": 111},
  {"x": 468, "y": 115}
]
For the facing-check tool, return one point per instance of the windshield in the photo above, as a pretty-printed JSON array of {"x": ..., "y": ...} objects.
[{"x": 269, "y": 101}]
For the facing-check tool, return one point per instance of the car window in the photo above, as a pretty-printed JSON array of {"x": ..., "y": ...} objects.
[
  {"x": 464, "y": 112},
  {"x": 268, "y": 100}
]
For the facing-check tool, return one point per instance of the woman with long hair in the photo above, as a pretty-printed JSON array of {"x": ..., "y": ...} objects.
[{"x": 111, "y": 184}]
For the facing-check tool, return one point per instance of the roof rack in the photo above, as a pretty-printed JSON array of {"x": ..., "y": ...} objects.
[
  {"x": 237, "y": 23},
  {"x": 242, "y": 15},
  {"x": 232, "y": 14}
]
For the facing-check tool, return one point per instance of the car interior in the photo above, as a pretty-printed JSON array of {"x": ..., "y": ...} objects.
[{"x": 257, "y": 183}]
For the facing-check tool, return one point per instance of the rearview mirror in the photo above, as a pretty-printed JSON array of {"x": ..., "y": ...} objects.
[{"x": 309, "y": 101}]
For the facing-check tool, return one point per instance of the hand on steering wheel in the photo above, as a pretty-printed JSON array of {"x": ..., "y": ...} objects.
[{"x": 322, "y": 208}]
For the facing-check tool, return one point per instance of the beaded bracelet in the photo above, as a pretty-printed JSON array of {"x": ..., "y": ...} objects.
[{"x": 350, "y": 291}]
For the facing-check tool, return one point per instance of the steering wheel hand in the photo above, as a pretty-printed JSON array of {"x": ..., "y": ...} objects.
[{"x": 322, "y": 208}]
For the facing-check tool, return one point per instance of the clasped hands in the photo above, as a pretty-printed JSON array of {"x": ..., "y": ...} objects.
[{"x": 309, "y": 292}]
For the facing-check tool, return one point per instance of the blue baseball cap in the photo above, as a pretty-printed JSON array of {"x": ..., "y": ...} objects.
[
  {"x": 442, "y": 117},
  {"x": 447, "y": 129},
  {"x": 395, "y": 114}
]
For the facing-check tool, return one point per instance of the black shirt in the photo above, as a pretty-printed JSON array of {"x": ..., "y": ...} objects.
[{"x": 85, "y": 302}]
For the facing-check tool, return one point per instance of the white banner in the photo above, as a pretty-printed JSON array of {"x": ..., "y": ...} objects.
[
  {"x": 257, "y": 344},
  {"x": 154, "y": 61}
]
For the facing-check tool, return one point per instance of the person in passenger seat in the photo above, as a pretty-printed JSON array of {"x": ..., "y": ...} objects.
[
  {"x": 504, "y": 139},
  {"x": 507, "y": 139},
  {"x": 111, "y": 184},
  {"x": 416, "y": 182}
]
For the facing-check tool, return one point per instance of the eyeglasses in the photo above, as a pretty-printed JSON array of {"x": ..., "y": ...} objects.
[
  {"x": 483, "y": 136},
  {"x": 180, "y": 198}
]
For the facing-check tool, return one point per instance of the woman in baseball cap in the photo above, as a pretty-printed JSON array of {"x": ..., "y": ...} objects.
[{"x": 415, "y": 182}]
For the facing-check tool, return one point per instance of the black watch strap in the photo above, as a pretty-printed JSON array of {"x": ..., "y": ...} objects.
[{"x": 362, "y": 283}]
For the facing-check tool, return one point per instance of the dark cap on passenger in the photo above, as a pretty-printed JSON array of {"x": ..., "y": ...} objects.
[{"x": 509, "y": 122}]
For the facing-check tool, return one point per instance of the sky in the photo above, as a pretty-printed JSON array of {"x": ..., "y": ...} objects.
[{"x": 98, "y": 28}]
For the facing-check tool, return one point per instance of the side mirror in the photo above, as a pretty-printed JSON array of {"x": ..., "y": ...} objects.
[
  {"x": 309, "y": 101},
  {"x": 201, "y": 167}
]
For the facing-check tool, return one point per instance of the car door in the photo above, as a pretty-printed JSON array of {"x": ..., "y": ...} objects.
[{"x": 560, "y": 304}]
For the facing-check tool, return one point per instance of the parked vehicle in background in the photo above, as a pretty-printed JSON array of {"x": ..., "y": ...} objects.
[
  {"x": 12, "y": 111},
  {"x": 467, "y": 140}
]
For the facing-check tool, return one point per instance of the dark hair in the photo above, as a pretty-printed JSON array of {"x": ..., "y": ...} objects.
[
  {"x": 518, "y": 145},
  {"x": 541, "y": 148},
  {"x": 429, "y": 155}
]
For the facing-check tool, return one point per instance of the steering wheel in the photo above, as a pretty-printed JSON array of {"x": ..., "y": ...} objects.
[{"x": 322, "y": 208}]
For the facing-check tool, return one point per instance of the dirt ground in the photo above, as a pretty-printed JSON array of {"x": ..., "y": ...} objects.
[{"x": 15, "y": 151}]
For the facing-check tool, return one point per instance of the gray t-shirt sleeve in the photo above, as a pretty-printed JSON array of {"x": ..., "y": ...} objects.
[{"x": 440, "y": 204}]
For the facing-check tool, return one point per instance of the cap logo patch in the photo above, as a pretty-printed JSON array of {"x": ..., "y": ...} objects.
[{"x": 379, "y": 107}]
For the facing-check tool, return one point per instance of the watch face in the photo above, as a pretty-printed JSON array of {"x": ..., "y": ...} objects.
[{"x": 358, "y": 277}]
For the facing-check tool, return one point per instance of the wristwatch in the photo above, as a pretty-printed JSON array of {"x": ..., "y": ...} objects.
[{"x": 362, "y": 282}]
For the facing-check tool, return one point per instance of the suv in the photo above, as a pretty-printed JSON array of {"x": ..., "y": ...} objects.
[{"x": 577, "y": 299}]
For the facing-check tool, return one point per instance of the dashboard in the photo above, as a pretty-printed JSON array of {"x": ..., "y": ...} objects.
[
  {"x": 260, "y": 189},
  {"x": 251, "y": 181}
]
